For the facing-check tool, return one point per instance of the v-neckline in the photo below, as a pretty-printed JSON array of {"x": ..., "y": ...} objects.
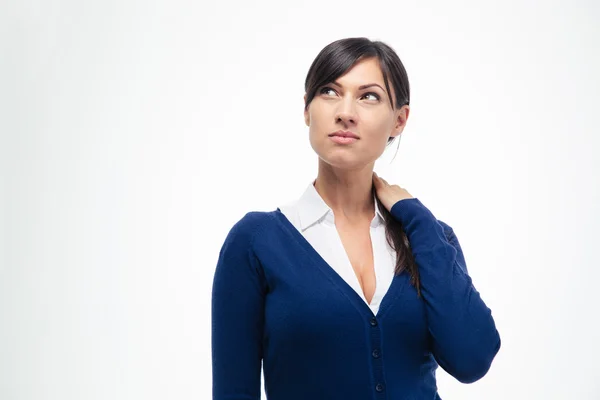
[{"x": 393, "y": 290}]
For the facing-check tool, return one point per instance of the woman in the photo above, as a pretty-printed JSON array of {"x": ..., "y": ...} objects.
[{"x": 355, "y": 291}]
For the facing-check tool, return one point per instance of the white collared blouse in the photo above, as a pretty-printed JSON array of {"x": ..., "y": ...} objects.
[{"x": 315, "y": 220}]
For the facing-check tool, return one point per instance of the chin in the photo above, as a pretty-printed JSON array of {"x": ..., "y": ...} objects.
[{"x": 342, "y": 161}]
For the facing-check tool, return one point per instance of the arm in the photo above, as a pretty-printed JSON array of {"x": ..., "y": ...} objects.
[
  {"x": 463, "y": 332},
  {"x": 237, "y": 317}
]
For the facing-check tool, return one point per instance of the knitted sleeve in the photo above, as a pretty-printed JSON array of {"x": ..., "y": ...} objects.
[
  {"x": 238, "y": 295},
  {"x": 464, "y": 335}
]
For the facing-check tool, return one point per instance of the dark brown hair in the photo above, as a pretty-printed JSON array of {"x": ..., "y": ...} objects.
[{"x": 332, "y": 62}]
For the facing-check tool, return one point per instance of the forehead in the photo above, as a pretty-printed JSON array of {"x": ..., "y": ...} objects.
[{"x": 363, "y": 71}]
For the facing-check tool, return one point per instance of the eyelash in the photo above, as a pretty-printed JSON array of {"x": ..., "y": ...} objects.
[{"x": 323, "y": 90}]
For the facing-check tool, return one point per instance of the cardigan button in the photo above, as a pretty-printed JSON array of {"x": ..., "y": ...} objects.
[
  {"x": 379, "y": 387},
  {"x": 376, "y": 353},
  {"x": 373, "y": 321}
]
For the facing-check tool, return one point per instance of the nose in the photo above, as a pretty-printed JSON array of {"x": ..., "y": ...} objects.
[{"x": 346, "y": 112}]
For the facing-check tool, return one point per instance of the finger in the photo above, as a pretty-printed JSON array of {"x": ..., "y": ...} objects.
[
  {"x": 375, "y": 177},
  {"x": 376, "y": 181}
]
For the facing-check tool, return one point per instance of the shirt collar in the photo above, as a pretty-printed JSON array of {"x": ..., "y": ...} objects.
[{"x": 312, "y": 208}]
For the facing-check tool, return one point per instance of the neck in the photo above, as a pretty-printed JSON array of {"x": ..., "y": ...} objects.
[{"x": 347, "y": 192}]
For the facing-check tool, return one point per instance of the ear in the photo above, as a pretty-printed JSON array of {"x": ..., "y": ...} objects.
[
  {"x": 401, "y": 118},
  {"x": 306, "y": 114}
]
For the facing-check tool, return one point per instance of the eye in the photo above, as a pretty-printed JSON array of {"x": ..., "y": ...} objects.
[
  {"x": 325, "y": 90},
  {"x": 374, "y": 95}
]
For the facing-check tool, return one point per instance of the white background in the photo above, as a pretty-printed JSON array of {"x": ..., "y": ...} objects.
[{"x": 134, "y": 134}]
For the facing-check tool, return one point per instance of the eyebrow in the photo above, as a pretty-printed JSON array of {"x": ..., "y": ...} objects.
[{"x": 363, "y": 86}]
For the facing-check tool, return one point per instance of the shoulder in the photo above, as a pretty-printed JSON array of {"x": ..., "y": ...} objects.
[
  {"x": 449, "y": 232},
  {"x": 248, "y": 227},
  {"x": 447, "y": 228},
  {"x": 454, "y": 242}
]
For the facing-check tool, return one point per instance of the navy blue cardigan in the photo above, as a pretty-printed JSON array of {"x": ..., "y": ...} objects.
[{"x": 275, "y": 300}]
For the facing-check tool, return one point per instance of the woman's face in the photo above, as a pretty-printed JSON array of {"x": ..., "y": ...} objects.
[{"x": 366, "y": 112}]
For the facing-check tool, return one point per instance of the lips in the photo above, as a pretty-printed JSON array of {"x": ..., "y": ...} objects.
[{"x": 344, "y": 134}]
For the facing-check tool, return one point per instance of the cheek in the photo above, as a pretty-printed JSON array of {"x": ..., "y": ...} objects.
[
  {"x": 318, "y": 124},
  {"x": 315, "y": 137},
  {"x": 317, "y": 114},
  {"x": 378, "y": 124}
]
